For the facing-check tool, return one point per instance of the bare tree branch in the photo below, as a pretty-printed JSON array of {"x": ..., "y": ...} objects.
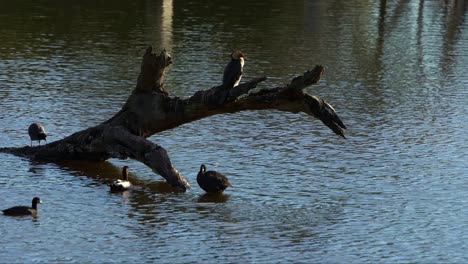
[{"x": 150, "y": 109}]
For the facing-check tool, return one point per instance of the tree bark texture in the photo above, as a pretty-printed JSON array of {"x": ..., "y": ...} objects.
[{"x": 150, "y": 109}]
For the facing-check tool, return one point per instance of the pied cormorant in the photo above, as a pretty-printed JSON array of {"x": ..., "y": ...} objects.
[
  {"x": 233, "y": 71},
  {"x": 232, "y": 74}
]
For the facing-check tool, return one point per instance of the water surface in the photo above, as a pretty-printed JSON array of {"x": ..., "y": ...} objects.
[{"x": 394, "y": 191}]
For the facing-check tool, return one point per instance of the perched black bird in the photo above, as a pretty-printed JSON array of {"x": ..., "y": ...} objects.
[
  {"x": 232, "y": 73},
  {"x": 212, "y": 181},
  {"x": 24, "y": 210},
  {"x": 121, "y": 185},
  {"x": 36, "y": 132}
]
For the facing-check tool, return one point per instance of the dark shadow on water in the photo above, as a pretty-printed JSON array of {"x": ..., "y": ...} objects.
[
  {"x": 96, "y": 170},
  {"x": 37, "y": 167},
  {"x": 106, "y": 172},
  {"x": 213, "y": 198}
]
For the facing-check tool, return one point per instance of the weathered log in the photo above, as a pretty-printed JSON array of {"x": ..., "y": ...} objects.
[{"x": 150, "y": 109}]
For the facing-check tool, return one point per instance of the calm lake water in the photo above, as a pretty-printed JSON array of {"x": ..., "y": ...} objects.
[{"x": 394, "y": 191}]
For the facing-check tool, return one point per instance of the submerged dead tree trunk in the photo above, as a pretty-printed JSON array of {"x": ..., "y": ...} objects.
[{"x": 150, "y": 109}]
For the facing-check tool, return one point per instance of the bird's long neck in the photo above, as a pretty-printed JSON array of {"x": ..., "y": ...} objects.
[{"x": 34, "y": 205}]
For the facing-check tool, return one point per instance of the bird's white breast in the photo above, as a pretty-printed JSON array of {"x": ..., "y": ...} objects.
[{"x": 124, "y": 184}]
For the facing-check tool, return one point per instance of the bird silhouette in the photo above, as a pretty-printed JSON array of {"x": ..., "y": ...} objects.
[{"x": 212, "y": 181}]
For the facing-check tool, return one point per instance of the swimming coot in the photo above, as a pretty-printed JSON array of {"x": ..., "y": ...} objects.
[{"x": 24, "y": 210}]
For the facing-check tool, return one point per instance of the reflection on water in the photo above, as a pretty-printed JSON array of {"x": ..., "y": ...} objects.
[
  {"x": 395, "y": 72},
  {"x": 166, "y": 25},
  {"x": 213, "y": 198}
]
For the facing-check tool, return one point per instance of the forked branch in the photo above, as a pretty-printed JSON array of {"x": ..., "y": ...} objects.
[{"x": 150, "y": 109}]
